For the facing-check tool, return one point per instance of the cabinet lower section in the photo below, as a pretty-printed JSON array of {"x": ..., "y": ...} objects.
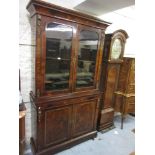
[
  {"x": 60, "y": 124},
  {"x": 62, "y": 146}
]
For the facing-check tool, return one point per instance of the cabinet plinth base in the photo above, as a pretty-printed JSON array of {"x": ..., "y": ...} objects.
[{"x": 62, "y": 146}]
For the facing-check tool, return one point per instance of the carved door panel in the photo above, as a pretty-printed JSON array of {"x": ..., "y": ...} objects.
[
  {"x": 57, "y": 125},
  {"x": 84, "y": 117}
]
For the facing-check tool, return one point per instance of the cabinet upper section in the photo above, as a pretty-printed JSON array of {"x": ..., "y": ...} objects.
[{"x": 69, "y": 49}]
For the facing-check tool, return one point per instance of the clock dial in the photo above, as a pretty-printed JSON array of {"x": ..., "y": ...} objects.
[{"x": 116, "y": 49}]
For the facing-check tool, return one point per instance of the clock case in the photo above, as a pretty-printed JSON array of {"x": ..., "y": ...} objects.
[{"x": 109, "y": 79}]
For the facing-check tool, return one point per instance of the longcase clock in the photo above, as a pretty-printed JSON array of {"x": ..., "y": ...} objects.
[{"x": 113, "y": 52}]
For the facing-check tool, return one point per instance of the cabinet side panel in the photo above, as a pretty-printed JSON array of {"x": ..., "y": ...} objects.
[
  {"x": 118, "y": 103},
  {"x": 34, "y": 123},
  {"x": 123, "y": 75},
  {"x": 130, "y": 101},
  {"x": 103, "y": 77},
  {"x": 131, "y": 80},
  {"x": 33, "y": 49}
]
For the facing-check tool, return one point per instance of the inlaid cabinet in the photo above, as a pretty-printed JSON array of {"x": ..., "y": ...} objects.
[{"x": 66, "y": 76}]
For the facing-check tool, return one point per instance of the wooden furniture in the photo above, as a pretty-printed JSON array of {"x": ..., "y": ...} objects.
[
  {"x": 22, "y": 114},
  {"x": 112, "y": 59},
  {"x": 66, "y": 96},
  {"x": 133, "y": 153},
  {"x": 125, "y": 93}
]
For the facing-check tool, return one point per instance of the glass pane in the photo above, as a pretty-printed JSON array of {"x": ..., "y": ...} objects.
[
  {"x": 116, "y": 49},
  {"x": 88, "y": 43},
  {"x": 58, "y": 55}
]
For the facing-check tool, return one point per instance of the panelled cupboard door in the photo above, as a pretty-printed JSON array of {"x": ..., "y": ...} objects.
[
  {"x": 84, "y": 117},
  {"x": 60, "y": 124},
  {"x": 58, "y": 51},
  {"x": 57, "y": 125},
  {"x": 87, "y": 56}
]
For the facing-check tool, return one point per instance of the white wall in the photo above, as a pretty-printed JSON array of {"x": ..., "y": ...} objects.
[
  {"x": 25, "y": 61},
  {"x": 123, "y": 19},
  {"x": 25, "y": 48}
]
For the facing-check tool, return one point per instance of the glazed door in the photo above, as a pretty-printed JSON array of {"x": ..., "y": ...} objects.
[
  {"x": 57, "y": 125},
  {"x": 84, "y": 117},
  {"x": 58, "y": 51},
  {"x": 88, "y": 57}
]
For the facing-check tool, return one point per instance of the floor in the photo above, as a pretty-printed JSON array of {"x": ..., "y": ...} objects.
[{"x": 113, "y": 142}]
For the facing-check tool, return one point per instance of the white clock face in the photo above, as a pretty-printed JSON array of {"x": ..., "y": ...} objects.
[{"x": 116, "y": 49}]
